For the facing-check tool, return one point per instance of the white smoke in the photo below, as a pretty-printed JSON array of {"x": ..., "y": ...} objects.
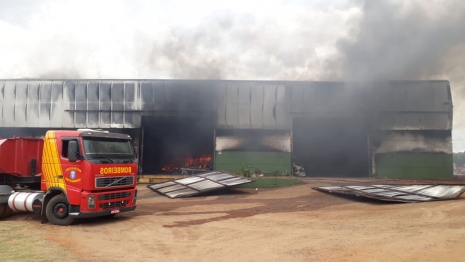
[
  {"x": 182, "y": 39},
  {"x": 237, "y": 39}
]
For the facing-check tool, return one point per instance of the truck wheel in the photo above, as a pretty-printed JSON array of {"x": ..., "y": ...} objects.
[{"x": 57, "y": 211}]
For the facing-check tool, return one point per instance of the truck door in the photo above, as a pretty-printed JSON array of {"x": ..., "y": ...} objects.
[{"x": 72, "y": 171}]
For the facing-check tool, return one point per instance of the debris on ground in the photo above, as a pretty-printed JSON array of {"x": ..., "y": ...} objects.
[
  {"x": 193, "y": 170},
  {"x": 399, "y": 193},
  {"x": 198, "y": 183},
  {"x": 298, "y": 170}
]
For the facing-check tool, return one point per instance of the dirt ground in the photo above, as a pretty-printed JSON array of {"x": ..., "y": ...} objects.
[{"x": 284, "y": 224}]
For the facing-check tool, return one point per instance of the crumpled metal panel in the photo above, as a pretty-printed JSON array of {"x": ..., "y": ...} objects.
[
  {"x": 189, "y": 180},
  {"x": 166, "y": 184},
  {"x": 197, "y": 184},
  {"x": 233, "y": 181},
  {"x": 400, "y": 193}
]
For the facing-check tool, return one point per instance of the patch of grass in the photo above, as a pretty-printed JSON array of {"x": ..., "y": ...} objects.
[
  {"x": 18, "y": 242},
  {"x": 269, "y": 182}
]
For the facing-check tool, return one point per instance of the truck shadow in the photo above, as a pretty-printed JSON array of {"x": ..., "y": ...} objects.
[
  {"x": 100, "y": 220},
  {"x": 22, "y": 216},
  {"x": 26, "y": 216}
]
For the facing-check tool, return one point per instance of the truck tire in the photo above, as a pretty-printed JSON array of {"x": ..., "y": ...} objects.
[{"x": 57, "y": 211}]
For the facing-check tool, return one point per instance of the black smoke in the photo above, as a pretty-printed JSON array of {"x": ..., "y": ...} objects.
[
  {"x": 399, "y": 40},
  {"x": 414, "y": 40}
]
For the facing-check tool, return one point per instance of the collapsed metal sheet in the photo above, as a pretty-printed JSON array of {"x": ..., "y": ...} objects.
[
  {"x": 197, "y": 184},
  {"x": 399, "y": 193}
]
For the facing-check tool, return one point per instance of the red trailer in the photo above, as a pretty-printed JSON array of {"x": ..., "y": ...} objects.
[{"x": 19, "y": 158}]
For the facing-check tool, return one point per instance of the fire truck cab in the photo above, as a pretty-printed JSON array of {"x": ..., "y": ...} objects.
[{"x": 82, "y": 173}]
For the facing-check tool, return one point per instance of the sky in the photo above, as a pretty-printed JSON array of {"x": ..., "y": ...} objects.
[{"x": 235, "y": 39}]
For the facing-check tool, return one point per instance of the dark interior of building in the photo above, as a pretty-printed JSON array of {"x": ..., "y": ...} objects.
[
  {"x": 172, "y": 143},
  {"x": 331, "y": 147}
]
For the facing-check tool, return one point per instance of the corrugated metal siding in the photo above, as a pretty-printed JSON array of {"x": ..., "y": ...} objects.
[
  {"x": 412, "y": 121},
  {"x": 69, "y": 104},
  {"x": 102, "y": 104},
  {"x": 413, "y": 105},
  {"x": 177, "y": 96},
  {"x": 31, "y": 103},
  {"x": 399, "y": 105},
  {"x": 252, "y": 105}
]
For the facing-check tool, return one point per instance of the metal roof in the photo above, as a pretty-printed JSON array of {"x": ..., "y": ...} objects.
[
  {"x": 197, "y": 184},
  {"x": 399, "y": 193},
  {"x": 89, "y": 103}
]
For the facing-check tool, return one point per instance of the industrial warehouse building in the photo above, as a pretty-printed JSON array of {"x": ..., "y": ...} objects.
[{"x": 397, "y": 129}]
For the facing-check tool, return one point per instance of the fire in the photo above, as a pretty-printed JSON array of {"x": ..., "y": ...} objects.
[{"x": 189, "y": 161}]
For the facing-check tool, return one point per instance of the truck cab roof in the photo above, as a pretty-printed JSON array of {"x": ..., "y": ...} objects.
[{"x": 89, "y": 133}]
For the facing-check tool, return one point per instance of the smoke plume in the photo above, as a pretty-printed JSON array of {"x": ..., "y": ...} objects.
[
  {"x": 396, "y": 40},
  {"x": 405, "y": 40},
  {"x": 152, "y": 39},
  {"x": 260, "y": 40}
]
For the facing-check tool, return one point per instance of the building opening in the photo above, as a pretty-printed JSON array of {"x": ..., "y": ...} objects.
[
  {"x": 331, "y": 147},
  {"x": 264, "y": 152},
  {"x": 177, "y": 145}
]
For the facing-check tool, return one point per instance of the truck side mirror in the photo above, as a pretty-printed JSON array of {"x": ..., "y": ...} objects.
[
  {"x": 136, "y": 150},
  {"x": 72, "y": 150}
]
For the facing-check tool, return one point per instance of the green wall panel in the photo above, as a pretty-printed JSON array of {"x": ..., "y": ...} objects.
[
  {"x": 267, "y": 162},
  {"x": 414, "y": 165}
]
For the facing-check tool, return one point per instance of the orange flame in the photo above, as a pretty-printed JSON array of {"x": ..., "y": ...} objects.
[{"x": 189, "y": 161}]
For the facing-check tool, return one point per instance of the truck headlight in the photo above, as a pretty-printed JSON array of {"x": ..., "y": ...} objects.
[
  {"x": 135, "y": 197},
  {"x": 91, "y": 201}
]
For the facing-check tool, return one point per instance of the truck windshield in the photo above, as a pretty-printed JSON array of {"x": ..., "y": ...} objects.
[{"x": 108, "y": 146}]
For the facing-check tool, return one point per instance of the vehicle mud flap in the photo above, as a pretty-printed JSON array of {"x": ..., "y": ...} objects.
[{"x": 43, "y": 216}]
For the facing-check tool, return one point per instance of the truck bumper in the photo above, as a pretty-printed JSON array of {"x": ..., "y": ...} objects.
[
  {"x": 95, "y": 204},
  {"x": 101, "y": 213}
]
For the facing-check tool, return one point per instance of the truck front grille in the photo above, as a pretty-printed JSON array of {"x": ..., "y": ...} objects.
[
  {"x": 114, "y": 196},
  {"x": 113, "y": 204},
  {"x": 114, "y": 181}
]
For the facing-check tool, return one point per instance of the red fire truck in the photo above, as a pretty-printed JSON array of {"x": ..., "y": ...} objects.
[{"x": 68, "y": 175}]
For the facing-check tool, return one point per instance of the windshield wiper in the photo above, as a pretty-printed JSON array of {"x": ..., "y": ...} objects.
[
  {"x": 128, "y": 160},
  {"x": 103, "y": 159}
]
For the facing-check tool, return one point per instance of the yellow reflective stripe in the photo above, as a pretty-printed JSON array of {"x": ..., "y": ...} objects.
[
  {"x": 46, "y": 161},
  {"x": 50, "y": 163}
]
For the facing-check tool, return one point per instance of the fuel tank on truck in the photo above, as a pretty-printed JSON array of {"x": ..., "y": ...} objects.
[
  {"x": 26, "y": 201},
  {"x": 21, "y": 156}
]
